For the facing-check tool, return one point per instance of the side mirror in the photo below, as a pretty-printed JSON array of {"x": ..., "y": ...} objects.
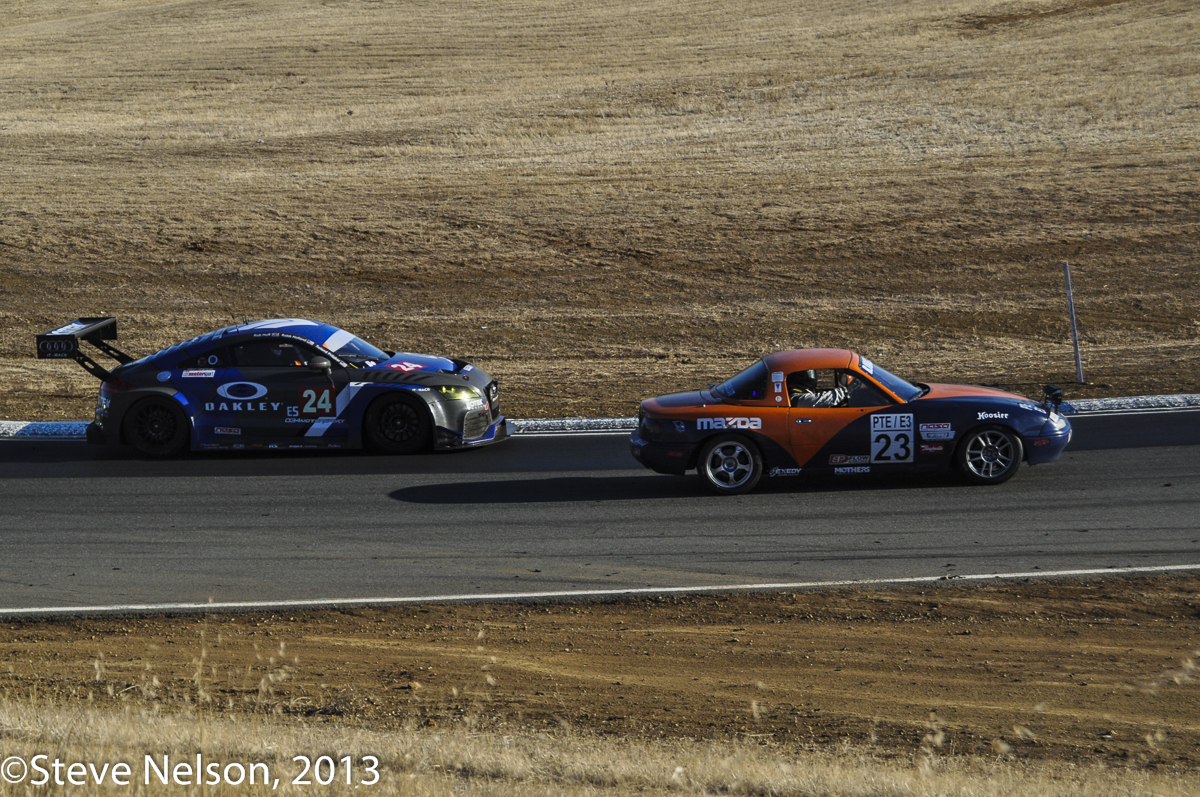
[
  {"x": 320, "y": 364},
  {"x": 1054, "y": 396}
]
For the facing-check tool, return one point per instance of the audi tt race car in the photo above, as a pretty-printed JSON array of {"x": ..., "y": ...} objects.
[
  {"x": 829, "y": 411},
  {"x": 279, "y": 384}
]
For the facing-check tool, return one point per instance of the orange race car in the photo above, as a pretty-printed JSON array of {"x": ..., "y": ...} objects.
[{"x": 832, "y": 411}]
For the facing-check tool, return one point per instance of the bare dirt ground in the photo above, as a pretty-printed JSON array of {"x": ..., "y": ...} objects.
[
  {"x": 599, "y": 203},
  {"x": 604, "y": 203},
  {"x": 1081, "y": 672}
]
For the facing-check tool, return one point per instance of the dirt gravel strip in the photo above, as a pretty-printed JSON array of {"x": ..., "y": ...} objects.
[
  {"x": 54, "y": 613},
  {"x": 77, "y": 430}
]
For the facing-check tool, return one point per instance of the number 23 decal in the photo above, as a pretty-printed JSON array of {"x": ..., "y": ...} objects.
[
  {"x": 316, "y": 401},
  {"x": 891, "y": 447}
]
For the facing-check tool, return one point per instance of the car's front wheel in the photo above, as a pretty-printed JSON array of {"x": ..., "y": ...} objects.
[
  {"x": 730, "y": 465},
  {"x": 157, "y": 427},
  {"x": 990, "y": 455},
  {"x": 398, "y": 425}
]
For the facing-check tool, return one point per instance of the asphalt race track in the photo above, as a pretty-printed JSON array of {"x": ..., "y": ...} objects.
[{"x": 84, "y": 526}]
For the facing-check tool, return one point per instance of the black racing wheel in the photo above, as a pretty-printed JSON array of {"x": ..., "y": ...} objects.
[
  {"x": 398, "y": 425},
  {"x": 157, "y": 427}
]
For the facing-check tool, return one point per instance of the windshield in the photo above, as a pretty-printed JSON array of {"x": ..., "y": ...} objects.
[
  {"x": 749, "y": 384},
  {"x": 357, "y": 348},
  {"x": 905, "y": 390}
]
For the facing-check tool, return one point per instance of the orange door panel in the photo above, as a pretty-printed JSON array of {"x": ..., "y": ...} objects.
[{"x": 810, "y": 429}]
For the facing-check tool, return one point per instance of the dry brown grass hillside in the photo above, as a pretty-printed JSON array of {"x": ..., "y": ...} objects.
[
  {"x": 602, "y": 201},
  {"x": 598, "y": 202},
  {"x": 1013, "y": 688}
]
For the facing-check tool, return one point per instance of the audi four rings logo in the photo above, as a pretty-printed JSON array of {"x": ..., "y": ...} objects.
[
  {"x": 242, "y": 391},
  {"x": 56, "y": 345}
]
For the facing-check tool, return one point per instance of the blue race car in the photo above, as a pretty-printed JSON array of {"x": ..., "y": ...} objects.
[{"x": 284, "y": 383}]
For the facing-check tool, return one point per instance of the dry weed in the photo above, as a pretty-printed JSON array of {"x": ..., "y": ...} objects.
[{"x": 466, "y": 763}]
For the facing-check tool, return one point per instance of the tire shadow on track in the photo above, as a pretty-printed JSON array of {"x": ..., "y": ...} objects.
[{"x": 641, "y": 487}]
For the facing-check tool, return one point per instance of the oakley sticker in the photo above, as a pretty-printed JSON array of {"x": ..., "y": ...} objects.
[{"x": 242, "y": 391}]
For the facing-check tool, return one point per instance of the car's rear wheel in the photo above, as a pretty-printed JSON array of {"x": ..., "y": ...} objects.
[
  {"x": 990, "y": 455},
  {"x": 398, "y": 425},
  {"x": 157, "y": 427},
  {"x": 730, "y": 465}
]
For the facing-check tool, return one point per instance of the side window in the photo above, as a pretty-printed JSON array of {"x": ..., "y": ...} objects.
[
  {"x": 815, "y": 388},
  {"x": 863, "y": 393},
  {"x": 269, "y": 354},
  {"x": 214, "y": 358},
  {"x": 833, "y": 388}
]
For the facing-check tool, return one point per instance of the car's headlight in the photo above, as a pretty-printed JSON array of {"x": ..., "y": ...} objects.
[
  {"x": 1057, "y": 420},
  {"x": 651, "y": 427},
  {"x": 459, "y": 392},
  {"x": 470, "y": 395}
]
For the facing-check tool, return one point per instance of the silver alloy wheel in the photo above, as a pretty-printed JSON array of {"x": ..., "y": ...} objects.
[
  {"x": 990, "y": 454},
  {"x": 729, "y": 465}
]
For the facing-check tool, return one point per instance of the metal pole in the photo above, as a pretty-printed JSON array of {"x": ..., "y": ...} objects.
[{"x": 1074, "y": 326}]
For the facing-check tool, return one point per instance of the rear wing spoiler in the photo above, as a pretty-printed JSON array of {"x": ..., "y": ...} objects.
[{"x": 64, "y": 343}]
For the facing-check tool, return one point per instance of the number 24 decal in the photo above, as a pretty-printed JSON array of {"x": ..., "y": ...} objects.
[
  {"x": 887, "y": 447},
  {"x": 316, "y": 401}
]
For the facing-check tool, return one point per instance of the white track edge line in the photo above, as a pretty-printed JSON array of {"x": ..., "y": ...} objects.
[{"x": 336, "y": 603}]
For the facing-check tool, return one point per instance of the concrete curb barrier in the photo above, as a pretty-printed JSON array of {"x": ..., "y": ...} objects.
[
  {"x": 571, "y": 425},
  {"x": 43, "y": 430},
  {"x": 77, "y": 430}
]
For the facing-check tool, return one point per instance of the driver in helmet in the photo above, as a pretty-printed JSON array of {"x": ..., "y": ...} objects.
[
  {"x": 804, "y": 390},
  {"x": 284, "y": 354}
]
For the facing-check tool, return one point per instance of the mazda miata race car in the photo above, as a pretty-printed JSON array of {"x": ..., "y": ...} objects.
[
  {"x": 279, "y": 384},
  {"x": 830, "y": 411}
]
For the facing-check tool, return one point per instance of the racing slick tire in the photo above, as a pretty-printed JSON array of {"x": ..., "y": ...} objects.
[
  {"x": 990, "y": 455},
  {"x": 397, "y": 424},
  {"x": 730, "y": 465},
  {"x": 157, "y": 427}
]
